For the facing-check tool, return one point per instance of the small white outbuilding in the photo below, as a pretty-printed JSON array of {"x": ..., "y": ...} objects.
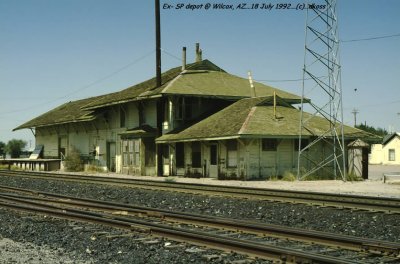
[{"x": 387, "y": 153}]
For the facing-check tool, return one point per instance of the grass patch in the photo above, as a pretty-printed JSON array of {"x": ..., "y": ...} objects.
[
  {"x": 288, "y": 176},
  {"x": 353, "y": 177},
  {"x": 94, "y": 168},
  {"x": 12, "y": 167}
]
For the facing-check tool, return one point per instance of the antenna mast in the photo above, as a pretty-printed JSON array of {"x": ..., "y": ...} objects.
[{"x": 322, "y": 71}]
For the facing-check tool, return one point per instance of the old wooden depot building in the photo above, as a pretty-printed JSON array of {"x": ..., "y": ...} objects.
[{"x": 201, "y": 122}]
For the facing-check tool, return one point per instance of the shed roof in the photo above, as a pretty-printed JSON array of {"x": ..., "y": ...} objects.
[
  {"x": 254, "y": 117},
  {"x": 67, "y": 113}
]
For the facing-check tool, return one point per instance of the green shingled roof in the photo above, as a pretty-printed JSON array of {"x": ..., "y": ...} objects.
[
  {"x": 202, "y": 78},
  {"x": 221, "y": 84},
  {"x": 199, "y": 79},
  {"x": 254, "y": 117},
  {"x": 148, "y": 88},
  {"x": 67, "y": 113}
]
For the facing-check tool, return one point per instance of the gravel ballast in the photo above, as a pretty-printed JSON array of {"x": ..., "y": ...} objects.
[{"x": 66, "y": 239}]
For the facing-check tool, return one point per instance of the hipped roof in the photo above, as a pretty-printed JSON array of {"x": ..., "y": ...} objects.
[
  {"x": 202, "y": 78},
  {"x": 254, "y": 117},
  {"x": 70, "y": 112}
]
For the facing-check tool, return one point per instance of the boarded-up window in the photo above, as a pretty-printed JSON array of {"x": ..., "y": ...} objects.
[
  {"x": 125, "y": 152},
  {"x": 269, "y": 144},
  {"x": 392, "y": 155},
  {"x": 232, "y": 154},
  {"x": 196, "y": 155},
  {"x": 131, "y": 152},
  {"x": 180, "y": 155}
]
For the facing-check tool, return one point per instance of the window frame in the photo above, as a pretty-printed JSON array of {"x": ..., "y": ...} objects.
[
  {"x": 392, "y": 154},
  {"x": 269, "y": 144},
  {"x": 196, "y": 155},
  {"x": 232, "y": 153}
]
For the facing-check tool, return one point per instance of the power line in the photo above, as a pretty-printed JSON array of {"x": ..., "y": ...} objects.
[
  {"x": 372, "y": 38},
  {"x": 84, "y": 87}
]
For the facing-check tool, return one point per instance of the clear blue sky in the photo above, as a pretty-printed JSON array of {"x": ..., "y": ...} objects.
[{"x": 54, "y": 51}]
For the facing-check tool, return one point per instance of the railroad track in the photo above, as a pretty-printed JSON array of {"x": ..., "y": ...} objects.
[
  {"x": 144, "y": 219},
  {"x": 370, "y": 203}
]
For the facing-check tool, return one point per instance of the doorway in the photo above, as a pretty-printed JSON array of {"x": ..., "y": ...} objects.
[
  {"x": 111, "y": 151},
  {"x": 214, "y": 161}
]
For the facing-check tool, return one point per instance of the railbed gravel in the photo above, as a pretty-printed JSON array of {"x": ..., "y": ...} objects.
[{"x": 73, "y": 241}]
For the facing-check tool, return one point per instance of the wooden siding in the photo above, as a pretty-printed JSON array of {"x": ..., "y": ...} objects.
[{"x": 50, "y": 143}]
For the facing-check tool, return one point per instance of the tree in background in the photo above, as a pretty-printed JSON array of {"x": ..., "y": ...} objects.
[
  {"x": 377, "y": 131},
  {"x": 14, "y": 147},
  {"x": 2, "y": 149}
]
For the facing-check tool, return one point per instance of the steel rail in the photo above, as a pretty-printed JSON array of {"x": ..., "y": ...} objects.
[
  {"x": 342, "y": 241},
  {"x": 371, "y": 203},
  {"x": 214, "y": 241}
]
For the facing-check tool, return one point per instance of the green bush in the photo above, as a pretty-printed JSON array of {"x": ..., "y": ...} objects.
[
  {"x": 288, "y": 176},
  {"x": 73, "y": 161}
]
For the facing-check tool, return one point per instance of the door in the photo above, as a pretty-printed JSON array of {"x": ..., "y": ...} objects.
[
  {"x": 166, "y": 159},
  {"x": 111, "y": 151},
  {"x": 365, "y": 163},
  {"x": 285, "y": 156},
  {"x": 213, "y": 161}
]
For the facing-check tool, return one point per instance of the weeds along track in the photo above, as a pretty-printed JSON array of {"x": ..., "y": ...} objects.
[
  {"x": 255, "y": 239},
  {"x": 369, "y": 203}
]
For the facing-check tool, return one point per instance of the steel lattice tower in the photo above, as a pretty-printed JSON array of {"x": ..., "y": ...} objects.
[{"x": 322, "y": 85}]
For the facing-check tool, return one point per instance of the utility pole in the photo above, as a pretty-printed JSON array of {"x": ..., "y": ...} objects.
[
  {"x": 355, "y": 112},
  {"x": 158, "y": 43}
]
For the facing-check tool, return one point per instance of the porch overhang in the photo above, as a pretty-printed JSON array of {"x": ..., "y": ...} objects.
[{"x": 139, "y": 132}]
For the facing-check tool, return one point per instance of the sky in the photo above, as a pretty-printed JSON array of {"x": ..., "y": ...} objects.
[{"x": 55, "y": 51}]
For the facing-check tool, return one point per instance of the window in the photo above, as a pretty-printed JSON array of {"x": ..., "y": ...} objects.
[
  {"x": 183, "y": 108},
  {"x": 179, "y": 109},
  {"x": 180, "y": 155},
  {"x": 304, "y": 143},
  {"x": 269, "y": 144},
  {"x": 142, "y": 119},
  {"x": 392, "y": 155},
  {"x": 122, "y": 117},
  {"x": 196, "y": 155},
  {"x": 188, "y": 107},
  {"x": 131, "y": 152},
  {"x": 232, "y": 154}
]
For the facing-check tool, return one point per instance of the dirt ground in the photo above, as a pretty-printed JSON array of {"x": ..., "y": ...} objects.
[{"x": 374, "y": 186}]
